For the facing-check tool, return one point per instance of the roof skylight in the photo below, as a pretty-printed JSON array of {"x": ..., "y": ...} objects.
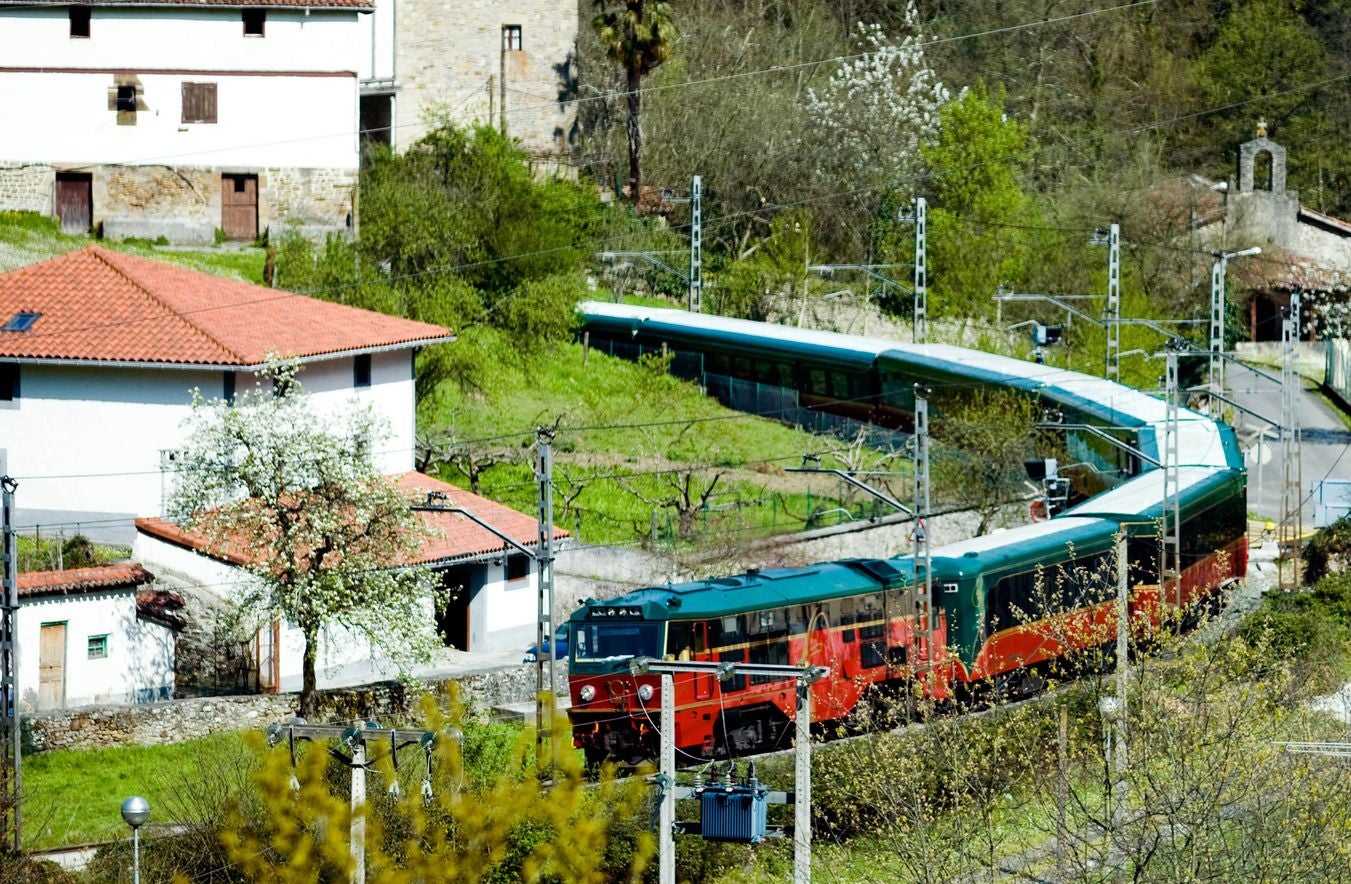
[{"x": 21, "y": 321}]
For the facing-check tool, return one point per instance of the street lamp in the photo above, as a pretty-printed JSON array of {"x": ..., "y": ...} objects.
[
  {"x": 135, "y": 811},
  {"x": 1217, "y": 269}
]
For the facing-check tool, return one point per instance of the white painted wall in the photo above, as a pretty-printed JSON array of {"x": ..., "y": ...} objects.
[
  {"x": 88, "y": 439},
  {"x": 377, "y": 38},
  {"x": 279, "y": 121},
  {"x": 177, "y": 36},
  {"x": 61, "y": 85},
  {"x": 140, "y": 662}
]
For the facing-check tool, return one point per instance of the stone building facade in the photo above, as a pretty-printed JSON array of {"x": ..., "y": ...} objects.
[
  {"x": 1302, "y": 249},
  {"x": 183, "y": 120},
  {"x": 510, "y": 65}
]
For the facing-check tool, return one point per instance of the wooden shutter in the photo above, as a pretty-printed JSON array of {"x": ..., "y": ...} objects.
[{"x": 199, "y": 102}]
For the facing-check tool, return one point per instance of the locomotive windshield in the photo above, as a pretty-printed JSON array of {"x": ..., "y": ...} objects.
[{"x": 605, "y": 641}]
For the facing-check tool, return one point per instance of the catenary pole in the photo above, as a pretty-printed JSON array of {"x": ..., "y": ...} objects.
[
  {"x": 546, "y": 613},
  {"x": 12, "y": 769},
  {"x": 696, "y": 244},
  {"x": 920, "y": 331}
]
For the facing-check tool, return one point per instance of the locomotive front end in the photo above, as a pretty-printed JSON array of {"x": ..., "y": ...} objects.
[{"x": 612, "y": 710}]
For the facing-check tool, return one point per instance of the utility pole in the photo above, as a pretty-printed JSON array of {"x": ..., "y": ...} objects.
[
  {"x": 1123, "y": 617},
  {"x": 1111, "y": 319},
  {"x": 546, "y": 702},
  {"x": 695, "y": 279},
  {"x": 544, "y": 579},
  {"x": 804, "y": 676},
  {"x": 1292, "y": 511},
  {"x": 1215, "y": 376},
  {"x": 921, "y": 471},
  {"x": 696, "y": 244},
  {"x": 11, "y": 772},
  {"x": 353, "y": 738},
  {"x": 357, "y": 830},
  {"x": 918, "y": 215},
  {"x": 1170, "y": 559}
]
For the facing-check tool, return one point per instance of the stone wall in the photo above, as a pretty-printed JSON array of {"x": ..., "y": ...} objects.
[
  {"x": 452, "y": 65},
  {"x": 27, "y": 188},
  {"x": 183, "y": 204},
  {"x": 311, "y": 201},
  {"x": 173, "y": 721}
]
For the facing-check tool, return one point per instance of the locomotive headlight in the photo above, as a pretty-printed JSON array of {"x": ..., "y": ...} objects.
[
  {"x": 587, "y": 693},
  {"x": 645, "y": 692}
]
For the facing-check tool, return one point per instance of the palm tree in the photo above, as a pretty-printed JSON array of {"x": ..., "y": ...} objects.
[{"x": 636, "y": 34}]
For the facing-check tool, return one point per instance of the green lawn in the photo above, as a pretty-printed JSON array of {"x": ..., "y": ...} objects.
[
  {"x": 75, "y": 796},
  {"x": 26, "y": 237}
]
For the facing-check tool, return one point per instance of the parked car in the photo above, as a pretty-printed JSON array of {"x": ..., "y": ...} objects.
[{"x": 560, "y": 647}]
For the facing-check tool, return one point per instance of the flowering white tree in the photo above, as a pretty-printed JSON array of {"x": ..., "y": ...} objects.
[
  {"x": 878, "y": 106},
  {"x": 296, "y": 500}
]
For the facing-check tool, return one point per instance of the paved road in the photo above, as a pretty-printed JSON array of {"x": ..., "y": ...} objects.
[{"x": 1326, "y": 450}]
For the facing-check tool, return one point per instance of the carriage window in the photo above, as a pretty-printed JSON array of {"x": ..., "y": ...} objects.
[
  {"x": 871, "y": 617},
  {"x": 847, "y": 618},
  {"x": 816, "y": 381},
  {"x": 726, "y": 631},
  {"x": 741, "y": 367},
  {"x": 718, "y": 363},
  {"x": 797, "y": 617},
  {"x": 839, "y": 385},
  {"x": 684, "y": 639},
  {"x": 600, "y": 641}
]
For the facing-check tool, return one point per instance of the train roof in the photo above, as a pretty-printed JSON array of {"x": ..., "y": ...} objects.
[
  {"x": 1023, "y": 544},
  {"x": 769, "y": 588},
  {"x": 1115, "y": 404},
  {"x": 1141, "y": 498}
]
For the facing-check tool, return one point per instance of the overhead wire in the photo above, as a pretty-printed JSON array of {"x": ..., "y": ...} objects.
[{"x": 505, "y": 299}]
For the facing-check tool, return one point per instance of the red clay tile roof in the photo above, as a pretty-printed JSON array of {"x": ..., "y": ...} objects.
[
  {"x": 101, "y": 305},
  {"x": 298, "y": 4},
  {"x": 457, "y": 538},
  {"x": 75, "y": 580}
]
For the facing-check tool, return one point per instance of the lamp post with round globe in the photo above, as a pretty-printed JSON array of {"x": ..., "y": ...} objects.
[{"x": 135, "y": 811}]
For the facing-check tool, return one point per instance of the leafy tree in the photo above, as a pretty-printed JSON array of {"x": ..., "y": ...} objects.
[
  {"x": 636, "y": 34},
  {"x": 979, "y": 204},
  {"x": 877, "y": 108},
  {"x": 986, "y": 436},
  {"x": 297, "y": 499}
]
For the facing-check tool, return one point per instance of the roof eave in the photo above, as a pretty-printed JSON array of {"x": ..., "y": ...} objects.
[{"x": 225, "y": 366}]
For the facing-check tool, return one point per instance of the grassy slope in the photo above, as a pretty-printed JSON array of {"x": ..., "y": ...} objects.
[
  {"x": 616, "y": 418},
  {"x": 74, "y": 796}
]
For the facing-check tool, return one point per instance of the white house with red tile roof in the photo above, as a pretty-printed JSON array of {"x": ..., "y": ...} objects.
[
  {"x": 179, "y": 118},
  {"x": 493, "y": 604},
  {"x": 93, "y": 635},
  {"x": 100, "y": 352}
]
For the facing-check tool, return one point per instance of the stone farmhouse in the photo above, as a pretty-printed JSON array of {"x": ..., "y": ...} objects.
[
  {"x": 187, "y": 119},
  {"x": 95, "y": 635},
  {"x": 99, "y": 355},
  {"x": 511, "y": 65}
]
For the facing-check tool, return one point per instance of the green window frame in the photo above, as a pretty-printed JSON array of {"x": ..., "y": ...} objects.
[{"x": 98, "y": 647}]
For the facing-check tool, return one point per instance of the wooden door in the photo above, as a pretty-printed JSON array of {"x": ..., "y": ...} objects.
[
  {"x": 52, "y": 666},
  {"x": 239, "y": 206},
  {"x": 75, "y": 201}
]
